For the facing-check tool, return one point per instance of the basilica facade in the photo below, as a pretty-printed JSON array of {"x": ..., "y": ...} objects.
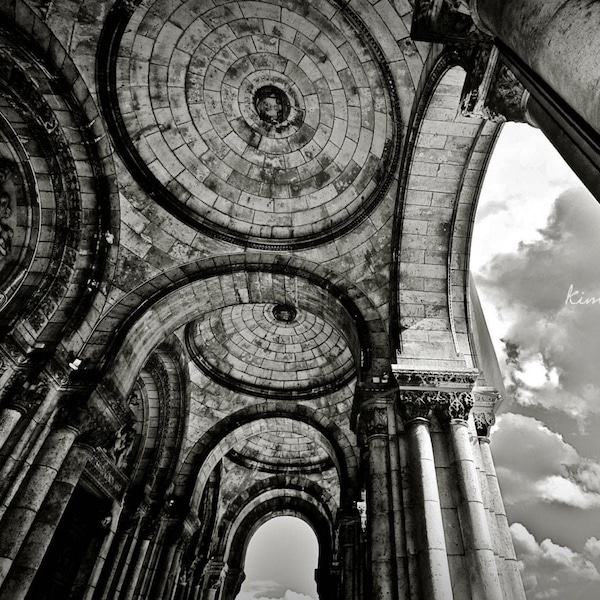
[{"x": 234, "y": 251}]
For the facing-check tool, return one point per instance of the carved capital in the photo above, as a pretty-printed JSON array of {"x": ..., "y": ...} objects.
[
  {"x": 455, "y": 406},
  {"x": 492, "y": 91},
  {"x": 373, "y": 421},
  {"x": 417, "y": 404},
  {"x": 93, "y": 427},
  {"x": 486, "y": 401},
  {"x": 29, "y": 396},
  {"x": 447, "y": 394}
]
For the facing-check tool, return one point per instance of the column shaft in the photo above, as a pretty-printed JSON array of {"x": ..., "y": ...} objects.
[
  {"x": 136, "y": 568},
  {"x": 510, "y": 560},
  {"x": 9, "y": 417},
  {"x": 432, "y": 556},
  {"x": 485, "y": 582},
  {"x": 102, "y": 555},
  {"x": 380, "y": 534},
  {"x": 25, "y": 506},
  {"x": 34, "y": 547}
]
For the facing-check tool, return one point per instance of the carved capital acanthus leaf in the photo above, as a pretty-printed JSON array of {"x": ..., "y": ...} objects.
[
  {"x": 417, "y": 404},
  {"x": 456, "y": 406}
]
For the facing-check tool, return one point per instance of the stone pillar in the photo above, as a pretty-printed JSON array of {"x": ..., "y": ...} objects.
[
  {"x": 484, "y": 419},
  {"x": 22, "y": 401},
  {"x": 104, "y": 550},
  {"x": 483, "y": 571},
  {"x": 25, "y": 506},
  {"x": 374, "y": 432},
  {"x": 212, "y": 579},
  {"x": 349, "y": 552},
  {"x": 558, "y": 40},
  {"x": 416, "y": 409},
  {"x": 232, "y": 583},
  {"x": 33, "y": 549}
]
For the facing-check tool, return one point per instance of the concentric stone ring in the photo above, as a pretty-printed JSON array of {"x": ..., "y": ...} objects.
[
  {"x": 271, "y": 350},
  {"x": 271, "y": 124}
]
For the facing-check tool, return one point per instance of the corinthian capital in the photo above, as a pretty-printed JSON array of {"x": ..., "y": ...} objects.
[
  {"x": 455, "y": 406},
  {"x": 417, "y": 404}
]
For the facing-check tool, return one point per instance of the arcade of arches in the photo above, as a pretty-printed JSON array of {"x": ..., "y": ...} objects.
[{"x": 234, "y": 239}]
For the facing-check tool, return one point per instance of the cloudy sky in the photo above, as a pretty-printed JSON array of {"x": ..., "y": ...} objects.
[{"x": 535, "y": 260}]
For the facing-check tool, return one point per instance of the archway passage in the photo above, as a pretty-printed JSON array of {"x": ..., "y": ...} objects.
[{"x": 280, "y": 561}]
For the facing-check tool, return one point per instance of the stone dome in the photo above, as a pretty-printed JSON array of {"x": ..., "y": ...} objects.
[{"x": 271, "y": 124}]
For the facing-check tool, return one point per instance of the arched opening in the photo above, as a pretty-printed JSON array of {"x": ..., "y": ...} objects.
[
  {"x": 535, "y": 236},
  {"x": 280, "y": 561}
]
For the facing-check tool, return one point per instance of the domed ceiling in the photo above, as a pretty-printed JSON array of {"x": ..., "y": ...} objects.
[
  {"x": 270, "y": 124},
  {"x": 271, "y": 350},
  {"x": 289, "y": 447}
]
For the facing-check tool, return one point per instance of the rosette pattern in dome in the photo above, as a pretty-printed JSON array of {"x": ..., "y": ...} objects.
[
  {"x": 271, "y": 124},
  {"x": 271, "y": 351}
]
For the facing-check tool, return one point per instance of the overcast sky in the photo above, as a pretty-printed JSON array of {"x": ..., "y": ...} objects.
[{"x": 535, "y": 260}]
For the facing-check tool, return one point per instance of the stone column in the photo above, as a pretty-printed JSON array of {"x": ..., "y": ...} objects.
[
  {"x": 33, "y": 549},
  {"x": 22, "y": 401},
  {"x": 483, "y": 572},
  {"x": 232, "y": 583},
  {"x": 373, "y": 429},
  {"x": 484, "y": 419},
  {"x": 558, "y": 40},
  {"x": 25, "y": 506},
  {"x": 349, "y": 552},
  {"x": 111, "y": 528},
  {"x": 416, "y": 409},
  {"x": 167, "y": 565}
]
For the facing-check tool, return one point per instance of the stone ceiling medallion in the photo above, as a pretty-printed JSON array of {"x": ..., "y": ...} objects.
[{"x": 271, "y": 124}]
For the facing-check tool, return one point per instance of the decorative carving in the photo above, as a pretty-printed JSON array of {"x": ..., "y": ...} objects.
[
  {"x": 417, "y": 404},
  {"x": 373, "y": 421},
  {"x": 483, "y": 422},
  {"x": 491, "y": 89},
  {"x": 105, "y": 476},
  {"x": 30, "y": 396},
  {"x": 436, "y": 379},
  {"x": 121, "y": 445},
  {"x": 455, "y": 406},
  {"x": 6, "y": 231},
  {"x": 93, "y": 427},
  {"x": 486, "y": 401}
]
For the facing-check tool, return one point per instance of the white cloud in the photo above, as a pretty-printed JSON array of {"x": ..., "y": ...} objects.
[
  {"x": 553, "y": 571},
  {"x": 268, "y": 590},
  {"x": 592, "y": 548},
  {"x": 535, "y": 464},
  {"x": 288, "y": 595},
  {"x": 550, "y": 344}
]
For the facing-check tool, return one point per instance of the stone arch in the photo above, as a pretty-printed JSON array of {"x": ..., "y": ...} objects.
[
  {"x": 441, "y": 175},
  {"x": 271, "y": 486},
  {"x": 179, "y": 295},
  {"x": 204, "y": 455},
  {"x": 75, "y": 209},
  {"x": 297, "y": 505}
]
